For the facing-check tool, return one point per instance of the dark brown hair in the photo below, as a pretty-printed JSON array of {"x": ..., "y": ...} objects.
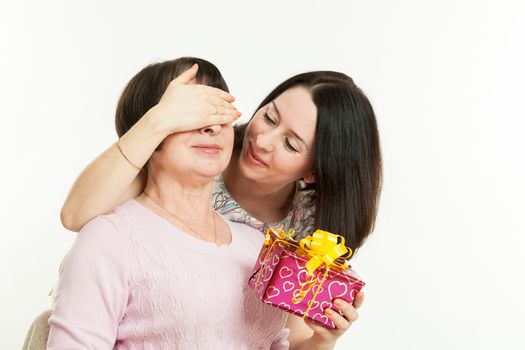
[
  {"x": 347, "y": 160},
  {"x": 146, "y": 88}
]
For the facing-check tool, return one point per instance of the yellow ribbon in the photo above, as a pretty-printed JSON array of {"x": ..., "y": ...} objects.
[
  {"x": 324, "y": 248},
  {"x": 280, "y": 234}
]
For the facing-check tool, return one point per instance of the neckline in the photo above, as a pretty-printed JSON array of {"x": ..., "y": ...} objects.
[
  {"x": 289, "y": 214},
  {"x": 181, "y": 237}
]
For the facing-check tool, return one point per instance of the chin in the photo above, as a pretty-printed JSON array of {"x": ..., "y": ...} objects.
[
  {"x": 209, "y": 172},
  {"x": 247, "y": 171}
]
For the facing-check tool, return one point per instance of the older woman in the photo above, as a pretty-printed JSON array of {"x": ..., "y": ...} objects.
[{"x": 164, "y": 270}]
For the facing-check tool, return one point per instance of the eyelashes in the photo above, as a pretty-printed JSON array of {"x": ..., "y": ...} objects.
[
  {"x": 287, "y": 143},
  {"x": 289, "y": 146},
  {"x": 267, "y": 117}
]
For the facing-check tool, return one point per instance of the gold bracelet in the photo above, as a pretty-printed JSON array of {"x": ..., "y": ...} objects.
[{"x": 126, "y": 158}]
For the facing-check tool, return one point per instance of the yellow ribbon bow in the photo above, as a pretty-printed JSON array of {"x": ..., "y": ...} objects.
[
  {"x": 280, "y": 234},
  {"x": 324, "y": 247}
]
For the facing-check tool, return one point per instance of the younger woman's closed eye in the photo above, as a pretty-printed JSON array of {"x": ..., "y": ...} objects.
[
  {"x": 269, "y": 119},
  {"x": 287, "y": 142},
  {"x": 290, "y": 146}
]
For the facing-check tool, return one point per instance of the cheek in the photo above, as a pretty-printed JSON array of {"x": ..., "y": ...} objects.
[
  {"x": 293, "y": 165},
  {"x": 228, "y": 138},
  {"x": 256, "y": 125}
]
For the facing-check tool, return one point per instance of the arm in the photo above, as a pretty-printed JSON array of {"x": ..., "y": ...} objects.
[
  {"x": 306, "y": 335},
  {"x": 92, "y": 291},
  {"x": 110, "y": 180}
]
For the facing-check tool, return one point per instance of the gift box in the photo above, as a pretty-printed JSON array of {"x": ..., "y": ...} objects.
[{"x": 304, "y": 277}]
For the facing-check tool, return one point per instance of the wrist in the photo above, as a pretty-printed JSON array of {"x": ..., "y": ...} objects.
[
  {"x": 154, "y": 124},
  {"x": 139, "y": 142}
]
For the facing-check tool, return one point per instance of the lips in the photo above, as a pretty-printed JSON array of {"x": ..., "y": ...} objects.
[
  {"x": 255, "y": 158},
  {"x": 209, "y": 148}
]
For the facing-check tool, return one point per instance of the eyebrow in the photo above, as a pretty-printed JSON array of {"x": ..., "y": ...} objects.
[{"x": 293, "y": 132}]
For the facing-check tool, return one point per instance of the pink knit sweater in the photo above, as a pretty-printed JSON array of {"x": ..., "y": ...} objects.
[{"x": 134, "y": 281}]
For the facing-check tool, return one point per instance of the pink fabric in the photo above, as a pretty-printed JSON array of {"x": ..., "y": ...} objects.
[
  {"x": 134, "y": 281},
  {"x": 280, "y": 272}
]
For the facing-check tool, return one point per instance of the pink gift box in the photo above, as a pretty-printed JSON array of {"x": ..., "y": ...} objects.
[{"x": 280, "y": 278}]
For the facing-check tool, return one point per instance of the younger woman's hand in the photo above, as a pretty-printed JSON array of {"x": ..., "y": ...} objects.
[
  {"x": 185, "y": 106},
  {"x": 324, "y": 336}
]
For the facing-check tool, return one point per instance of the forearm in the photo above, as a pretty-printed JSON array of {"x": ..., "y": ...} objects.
[{"x": 107, "y": 181}]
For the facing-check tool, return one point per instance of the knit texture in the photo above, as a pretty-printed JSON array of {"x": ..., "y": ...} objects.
[{"x": 134, "y": 281}]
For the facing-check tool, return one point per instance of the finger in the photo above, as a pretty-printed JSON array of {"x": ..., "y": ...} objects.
[
  {"x": 358, "y": 301},
  {"x": 224, "y": 118},
  {"x": 216, "y": 101},
  {"x": 346, "y": 309},
  {"x": 186, "y": 76},
  {"x": 219, "y": 93},
  {"x": 339, "y": 321},
  {"x": 321, "y": 331},
  {"x": 221, "y": 110}
]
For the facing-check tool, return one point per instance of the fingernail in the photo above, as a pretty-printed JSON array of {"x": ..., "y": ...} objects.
[
  {"x": 338, "y": 302},
  {"x": 329, "y": 311}
]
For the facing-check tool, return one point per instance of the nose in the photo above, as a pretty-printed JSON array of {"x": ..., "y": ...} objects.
[
  {"x": 211, "y": 130},
  {"x": 265, "y": 141}
]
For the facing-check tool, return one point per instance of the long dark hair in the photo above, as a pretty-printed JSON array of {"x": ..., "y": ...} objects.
[
  {"x": 347, "y": 160},
  {"x": 146, "y": 88}
]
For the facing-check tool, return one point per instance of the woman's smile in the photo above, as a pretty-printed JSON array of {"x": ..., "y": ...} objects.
[
  {"x": 254, "y": 158},
  {"x": 208, "y": 148}
]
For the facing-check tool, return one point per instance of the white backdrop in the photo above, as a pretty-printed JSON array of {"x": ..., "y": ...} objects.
[{"x": 444, "y": 267}]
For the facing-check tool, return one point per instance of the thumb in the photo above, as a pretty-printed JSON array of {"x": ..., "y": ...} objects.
[{"x": 186, "y": 76}]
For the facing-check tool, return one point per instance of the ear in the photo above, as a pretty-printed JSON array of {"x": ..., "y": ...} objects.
[{"x": 309, "y": 178}]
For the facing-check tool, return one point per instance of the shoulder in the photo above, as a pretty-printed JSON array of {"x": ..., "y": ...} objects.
[
  {"x": 101, "y": 251},
  {"x": 104, "y": 235},
  {"x": 110, "y": 227}
]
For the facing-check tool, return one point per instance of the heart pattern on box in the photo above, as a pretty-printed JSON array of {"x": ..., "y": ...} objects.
[
  {"x": 298, "y": 312},
  {"x": 316, "y": 287},
  {"x": 325, "y": 305},
  {"x": 315, "y": 305},
  {"x": 285, "y": 272},
  {"x": 262, "y": 254},
  {"x": 284, "y": 306},
  {"x": 272, "y": 292},
  {"x": 301, "y": 276},
  {"x": 278, "y": 278},
  {"x": 275, "y": 260},
  {"x": 321, "y": 318},
  {"x": 267, "y": 273},
  {"x": 288, "y": 286},
  {"x": 337, "y": 289}
]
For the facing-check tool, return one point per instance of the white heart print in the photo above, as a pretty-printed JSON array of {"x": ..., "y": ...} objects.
[
  {"x": 288, "y": 286},
  {"x": 285, "y": 272},
  {"x": 272, "y": 292},
  {"x": 337, "y": 289}
]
